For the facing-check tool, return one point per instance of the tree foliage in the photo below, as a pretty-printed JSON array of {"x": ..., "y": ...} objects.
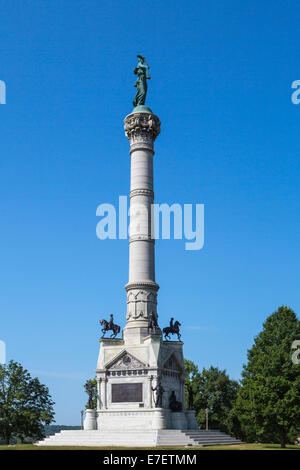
[
  {"x": 25, "y": 404},
  {"x": 268, "y": 403},
  {"x": 214, "y": 390}
]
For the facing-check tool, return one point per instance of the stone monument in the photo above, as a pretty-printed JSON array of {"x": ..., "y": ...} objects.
[
  {"x": 132, "y": 371},
  {"x": 140, "y": 377}
]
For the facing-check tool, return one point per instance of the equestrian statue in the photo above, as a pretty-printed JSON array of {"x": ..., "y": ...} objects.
[
  {"x": 173, "y": 329},
  {"x": 110, "y": 326}
]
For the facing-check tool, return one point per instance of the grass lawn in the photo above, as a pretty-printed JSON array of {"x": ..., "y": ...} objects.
[{"x": 232, "y": 447}]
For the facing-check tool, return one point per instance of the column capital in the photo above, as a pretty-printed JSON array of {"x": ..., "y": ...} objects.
[{"x": 141, "y": 129}]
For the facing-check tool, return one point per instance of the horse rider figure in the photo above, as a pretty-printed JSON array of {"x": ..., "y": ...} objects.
[
  {"x": 173, "y": 329},
  {"x": 111, "y": 322},
  {"x": 110, "y": 325}
]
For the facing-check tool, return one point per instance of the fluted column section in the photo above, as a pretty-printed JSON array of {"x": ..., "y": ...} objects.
[{"x": 141, "y": 129}]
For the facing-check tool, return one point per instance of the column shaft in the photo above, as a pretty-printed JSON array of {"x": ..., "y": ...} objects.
[{"x": 141, "y": 128}]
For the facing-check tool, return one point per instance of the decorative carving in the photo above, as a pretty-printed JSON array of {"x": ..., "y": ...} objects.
[
  {"x": 128, "y": 372},
  {"x": 142, "y": 285},
  {"x": 146, "y": 238},
  {"x": 172, "y": 363},
  {"x": 142, "y": 192},
  {"x": 142, "y": 128},
  {"x": 140, "y": 303},
  {"x": 127, "y": 361}
]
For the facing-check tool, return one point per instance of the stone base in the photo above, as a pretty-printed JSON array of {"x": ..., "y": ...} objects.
[
  {"x": 151, "y": 419},
  {"x": 133, "y": 419},
  {"x": 128, "y": 373},
  {"x": 141, "y": 109},
  {"x": 191, "y": 419},
  {"x": 90, "y": 420}
]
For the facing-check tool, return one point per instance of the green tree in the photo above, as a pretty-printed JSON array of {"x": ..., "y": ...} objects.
[
  {"x": 192, "y": 375},
  {"x": 192, "y": 380},
  {"x": 214, "y": 390},
  {"x": 25, "y": 404},
  {"x": 92, "y": 382},
  {"x": 268, "y": 403}
]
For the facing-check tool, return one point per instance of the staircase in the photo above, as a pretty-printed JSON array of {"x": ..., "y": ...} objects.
[
  {"x": 170, "y": 437},
  {"x": 146, "y": 438},
  {"x": 122, "y": 438}
]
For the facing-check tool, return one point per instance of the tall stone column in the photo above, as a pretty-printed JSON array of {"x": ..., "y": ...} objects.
[{"x": 141, "y": 129}]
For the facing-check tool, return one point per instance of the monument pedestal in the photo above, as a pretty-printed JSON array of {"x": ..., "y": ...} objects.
[
  {"x": 90, "y": 420},
  {"x": 160, "y": 418},
  {"x": 128, "y": 373},
  {"x": 178, "y": 420},
  {"x": 191, "y": 419}
]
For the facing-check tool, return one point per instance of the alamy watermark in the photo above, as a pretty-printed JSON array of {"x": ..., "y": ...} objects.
[
  {"x": 295, "y": 95},
  {"x": 2, "y": 92},
  {"x": 157, "y": 221},
  {"x": 2, "y": 352},
  {"x": 296, "y": 353}
]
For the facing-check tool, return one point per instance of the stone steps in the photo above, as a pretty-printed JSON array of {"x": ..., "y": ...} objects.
[
  {"x": 137, "y": 438},
  {"x": 200, "y": 438},
  {"x": 101, "y": 438}
]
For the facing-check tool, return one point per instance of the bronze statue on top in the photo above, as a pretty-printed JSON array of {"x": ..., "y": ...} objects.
[{"x": 141, "y": 71}]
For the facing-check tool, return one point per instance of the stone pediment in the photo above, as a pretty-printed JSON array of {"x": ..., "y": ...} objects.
[
  {"x": 125, "y": 361},
  {"x": 172, "y": 363}
]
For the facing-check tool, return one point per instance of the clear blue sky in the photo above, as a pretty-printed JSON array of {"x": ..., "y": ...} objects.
[{"x": 221, "y": 85}]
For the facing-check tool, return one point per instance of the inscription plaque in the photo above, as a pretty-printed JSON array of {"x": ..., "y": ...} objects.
[{"x": 126, "y": 392}]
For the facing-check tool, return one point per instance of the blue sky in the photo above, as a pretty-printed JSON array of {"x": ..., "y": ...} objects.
[{"x": 221, "y": 85}]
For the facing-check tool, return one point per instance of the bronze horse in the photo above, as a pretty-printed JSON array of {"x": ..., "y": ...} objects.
[
  {"x": 172, "y": 330},
  {"x": 109, "y": 327}
]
